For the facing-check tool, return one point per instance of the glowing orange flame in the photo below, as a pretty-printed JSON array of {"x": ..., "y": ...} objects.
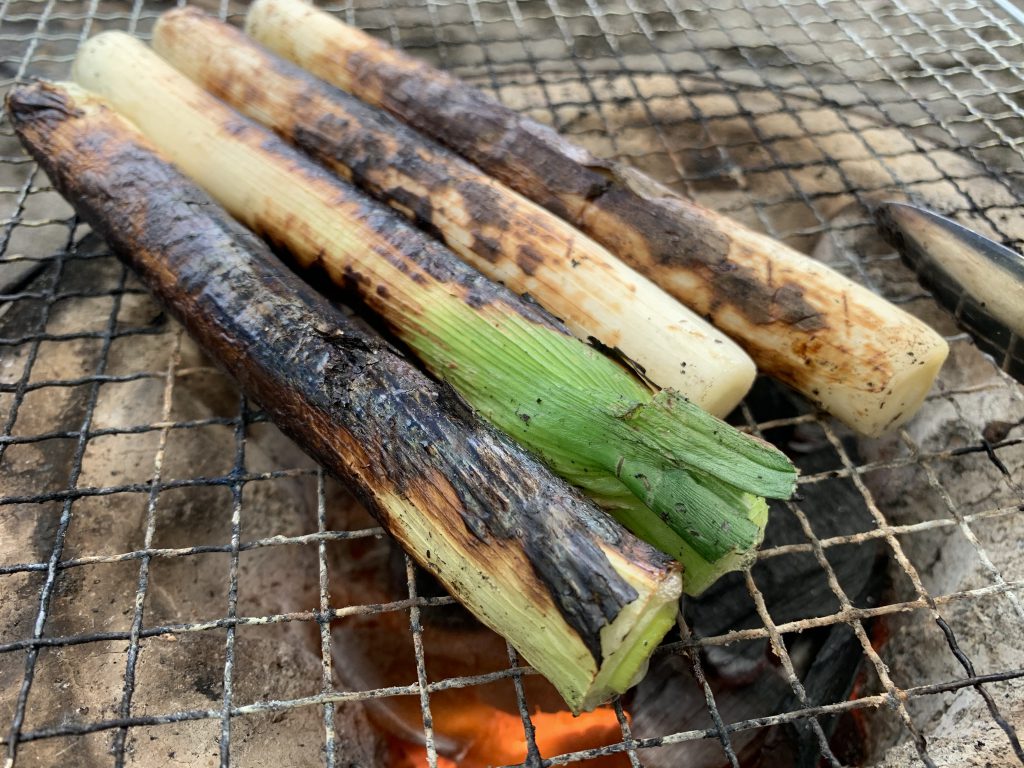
[{"x": 496, "y": 737}]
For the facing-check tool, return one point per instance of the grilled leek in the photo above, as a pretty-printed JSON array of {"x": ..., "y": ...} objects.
[{"x": 668, "y": 470}]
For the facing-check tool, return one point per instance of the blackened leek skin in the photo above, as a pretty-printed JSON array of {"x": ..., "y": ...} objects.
[
  {"x": 582, "y": 599},
  {"x": 847, "y": 350}
]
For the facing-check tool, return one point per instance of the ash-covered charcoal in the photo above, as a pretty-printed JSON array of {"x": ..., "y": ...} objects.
[{"x": 746, "y": 678}]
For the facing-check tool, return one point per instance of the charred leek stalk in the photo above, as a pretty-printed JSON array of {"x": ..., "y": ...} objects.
[
  {"x": 584, "y": 601},
  {"x": 678, "y": 476},
  {"x": 849, "y": 351},
  {"x": 498, "y": 231}
]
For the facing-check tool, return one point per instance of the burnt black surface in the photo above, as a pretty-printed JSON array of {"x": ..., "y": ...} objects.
[
  {"x": 476, "y": 126},
  {"x": 343, "y": 395},
  {"x": 687, "y": 239}
]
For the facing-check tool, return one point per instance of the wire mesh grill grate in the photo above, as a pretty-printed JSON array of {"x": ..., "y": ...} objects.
[{"x": 792, "y": 117}]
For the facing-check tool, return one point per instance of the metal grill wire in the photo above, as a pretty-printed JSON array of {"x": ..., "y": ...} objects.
[{"x": 943, "y": 79}]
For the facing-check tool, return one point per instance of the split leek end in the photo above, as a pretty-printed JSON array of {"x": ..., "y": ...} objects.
[
  {"x": 628, "y": 654},
  {"x": 536, "y": 628},
  {"x": 685, "y": 431}
]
